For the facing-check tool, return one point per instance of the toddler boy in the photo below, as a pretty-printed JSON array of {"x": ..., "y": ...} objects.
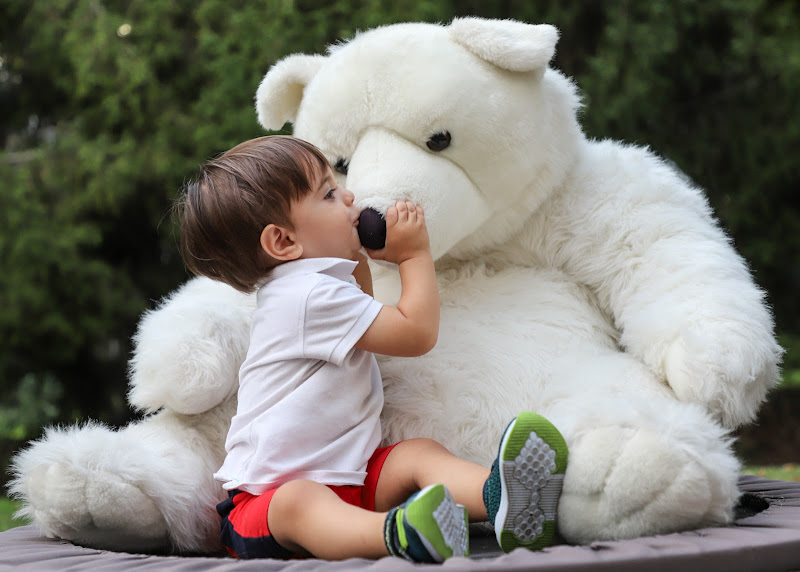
[{"x": 304, "y": 468}]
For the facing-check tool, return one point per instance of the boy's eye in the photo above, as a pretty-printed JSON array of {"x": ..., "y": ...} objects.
[{"x": 329, "y": 194}]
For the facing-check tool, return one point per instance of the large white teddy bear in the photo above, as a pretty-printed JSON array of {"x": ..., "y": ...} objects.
[{"x": 585, "y": 280}]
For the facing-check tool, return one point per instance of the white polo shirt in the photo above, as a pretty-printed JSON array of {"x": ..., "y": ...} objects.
[{"x": 309, "y": 401}]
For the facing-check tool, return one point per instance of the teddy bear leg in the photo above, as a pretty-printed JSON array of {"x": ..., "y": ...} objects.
[
  {"x": 138, "y": 489},
  {"x": 666, "y": 467},
  {"x": 71, "y": 490}
]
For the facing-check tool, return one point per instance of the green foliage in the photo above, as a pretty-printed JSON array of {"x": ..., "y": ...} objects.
[
  {"x": 107, "y": 107},
  {"x": 786, "y": 472},
  {"x": 35, "y": 404},
  {"x": 7, "y": 509},
  {"x": 791, "y": 360}
]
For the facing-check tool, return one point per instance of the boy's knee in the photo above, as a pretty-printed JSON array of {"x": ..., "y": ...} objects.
[
  {"x": 426, "y": 445},
  {"x": 292, "y": 496}
]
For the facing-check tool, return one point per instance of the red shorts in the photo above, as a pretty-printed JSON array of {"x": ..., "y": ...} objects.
[{"x": 244, "y": 530}]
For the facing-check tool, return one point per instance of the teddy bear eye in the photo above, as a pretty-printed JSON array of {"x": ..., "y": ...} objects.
[
  {"x": 439, "y": 141},
  {"x": 341, "y": 165}
]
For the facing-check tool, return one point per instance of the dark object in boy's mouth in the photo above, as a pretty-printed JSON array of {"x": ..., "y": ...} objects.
[{"x": 372, "y": 229}]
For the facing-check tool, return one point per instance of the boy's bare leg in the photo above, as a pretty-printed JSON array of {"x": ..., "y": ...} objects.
[
  {"x": 306, "y": 517},
  {"x": 417, "y": 463}
]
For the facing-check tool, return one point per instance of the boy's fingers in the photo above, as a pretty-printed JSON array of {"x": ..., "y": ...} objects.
[
  {"x": 391, "y": 216},
  {"x": 402, "y": 213},
  {"x": 412, "y": 211}
]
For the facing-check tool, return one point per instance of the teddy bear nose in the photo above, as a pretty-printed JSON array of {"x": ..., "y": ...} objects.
[{"x": 372, "y": 229}]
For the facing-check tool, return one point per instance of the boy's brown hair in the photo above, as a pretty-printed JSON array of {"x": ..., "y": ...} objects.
[{"x": 235, "y": 196}]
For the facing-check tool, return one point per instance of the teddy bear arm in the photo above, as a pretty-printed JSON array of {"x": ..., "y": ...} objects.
[
  {"x": 681, "y": 297},
  {"x": 188, "y": 351}
]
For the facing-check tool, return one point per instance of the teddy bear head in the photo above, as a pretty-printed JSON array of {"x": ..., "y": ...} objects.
[{"x": 466, "y": 120}]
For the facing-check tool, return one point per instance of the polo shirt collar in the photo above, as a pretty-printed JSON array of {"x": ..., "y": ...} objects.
[{"x": 340, "y": 268}]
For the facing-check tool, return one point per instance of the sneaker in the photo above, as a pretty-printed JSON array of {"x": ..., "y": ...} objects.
[
  {"x": 428, "y": 527},
  {"x": 523, "y": 488}
]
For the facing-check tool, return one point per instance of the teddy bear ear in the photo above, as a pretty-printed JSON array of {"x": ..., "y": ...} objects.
[
  {"x": 281, "y": 91},
  {"x": 509, "y": 44}
]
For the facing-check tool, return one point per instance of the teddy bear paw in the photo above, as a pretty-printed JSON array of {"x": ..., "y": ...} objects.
[
  {"x": 729, "y": 376},
  {"x": 94, "y": 508}
]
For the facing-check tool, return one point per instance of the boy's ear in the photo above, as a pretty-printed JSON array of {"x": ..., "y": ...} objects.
[{"x": 280, "y": 243}]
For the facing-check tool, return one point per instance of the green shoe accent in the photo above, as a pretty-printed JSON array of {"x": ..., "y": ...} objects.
[
  {"x": 428, "y": 527},
  {"x": 401, "y": 530},
  {"x": 530, "y": 471}
]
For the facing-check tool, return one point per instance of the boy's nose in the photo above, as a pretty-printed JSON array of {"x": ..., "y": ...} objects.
[{"x": 348, "y": 197}]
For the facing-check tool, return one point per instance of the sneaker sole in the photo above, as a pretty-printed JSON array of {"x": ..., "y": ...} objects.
[
  {"x": 440, "y": 523},
  {"x": 533, "y": 458}
]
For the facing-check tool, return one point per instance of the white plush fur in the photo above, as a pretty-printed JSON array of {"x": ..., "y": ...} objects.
[{"x": 585, "y": 280}]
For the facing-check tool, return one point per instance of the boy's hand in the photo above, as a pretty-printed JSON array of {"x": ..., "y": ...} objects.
[{"x": 406, "y": 234}]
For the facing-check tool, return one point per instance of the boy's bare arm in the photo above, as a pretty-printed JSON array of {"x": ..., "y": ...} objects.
[
  {"x": 412, "y": 327},
  {"x": 363, "y": 275}
]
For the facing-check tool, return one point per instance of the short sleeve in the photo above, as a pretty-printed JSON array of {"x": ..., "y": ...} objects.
[{"x": 336, "y": 316}]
